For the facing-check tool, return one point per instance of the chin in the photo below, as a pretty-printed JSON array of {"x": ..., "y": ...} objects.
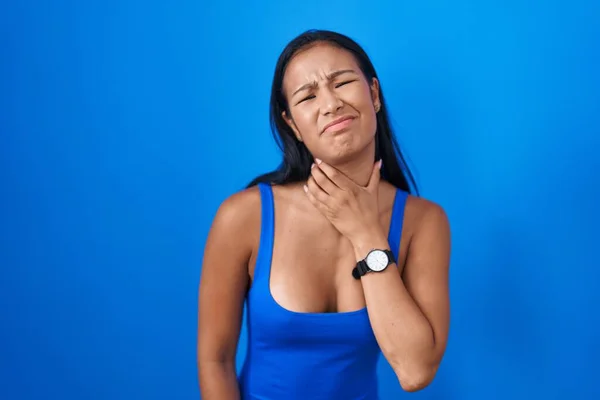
[
  {"x": 342, "y": 155},
  {"x": 344, "y": 151}
]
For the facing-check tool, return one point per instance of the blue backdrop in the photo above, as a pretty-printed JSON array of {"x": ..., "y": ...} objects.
[{"x": 125, "y": 123}]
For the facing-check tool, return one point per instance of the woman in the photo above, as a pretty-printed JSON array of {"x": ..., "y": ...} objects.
[{"x": 337, "y": 262}]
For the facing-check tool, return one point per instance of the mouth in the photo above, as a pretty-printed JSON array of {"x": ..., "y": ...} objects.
[{"x": 339, "y": 124}]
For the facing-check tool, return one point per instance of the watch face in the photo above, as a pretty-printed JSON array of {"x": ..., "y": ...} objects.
[{"x": 377, "y": 260}]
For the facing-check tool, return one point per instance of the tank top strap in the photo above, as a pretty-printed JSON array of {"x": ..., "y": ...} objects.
[
  {"x": 395, "y": 233},
  {"x": 267, "y": 228}
]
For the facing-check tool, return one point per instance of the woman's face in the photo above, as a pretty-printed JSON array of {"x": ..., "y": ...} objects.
[{"x": 324, "y": 85}]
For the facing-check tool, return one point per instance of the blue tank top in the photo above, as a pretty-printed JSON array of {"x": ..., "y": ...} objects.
[{"x": 294, "y": 355}]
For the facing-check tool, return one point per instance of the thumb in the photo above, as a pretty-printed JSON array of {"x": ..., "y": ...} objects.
[{"x": 375, "y": 176}]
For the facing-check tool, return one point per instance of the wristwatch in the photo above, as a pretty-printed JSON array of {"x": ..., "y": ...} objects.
[{"x": 376, "y": 261}]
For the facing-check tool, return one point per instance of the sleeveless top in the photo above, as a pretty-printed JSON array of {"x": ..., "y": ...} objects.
[{"x": 293, "y": 355}]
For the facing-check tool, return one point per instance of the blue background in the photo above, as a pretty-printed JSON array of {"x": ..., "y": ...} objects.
[{"x": 125, "y": 123}]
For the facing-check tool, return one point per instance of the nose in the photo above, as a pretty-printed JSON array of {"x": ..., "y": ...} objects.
[{"x": 330, "y": 102}]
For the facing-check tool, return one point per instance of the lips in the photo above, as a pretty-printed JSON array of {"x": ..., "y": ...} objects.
[{"x": 339, "y": 123}]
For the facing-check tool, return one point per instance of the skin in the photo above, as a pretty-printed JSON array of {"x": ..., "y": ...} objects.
[{"x": 323, "y": 227}]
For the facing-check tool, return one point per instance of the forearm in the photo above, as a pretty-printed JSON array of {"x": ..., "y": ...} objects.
[
  {"x": 218, "y": 381},
  {"x": 403, "y": 333}
]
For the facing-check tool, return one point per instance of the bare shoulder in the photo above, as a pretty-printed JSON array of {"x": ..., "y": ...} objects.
[
  {"x": 426, "y": 217},
  {"x": 237, "y": 217},
  {"x": 239, "y": 208}
]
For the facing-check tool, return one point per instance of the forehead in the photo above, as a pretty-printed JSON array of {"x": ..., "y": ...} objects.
[{"x": 316, "y": 62}]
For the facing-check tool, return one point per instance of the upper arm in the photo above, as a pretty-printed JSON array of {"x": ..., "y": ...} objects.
[
  {"x": 426, "y": 273},
  {"x": 224, "y": 278}
]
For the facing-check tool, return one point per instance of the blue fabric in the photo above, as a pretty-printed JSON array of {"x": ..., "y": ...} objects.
[{"x": 304, "y": 356}]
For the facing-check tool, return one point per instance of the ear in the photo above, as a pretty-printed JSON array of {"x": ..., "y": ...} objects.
[
  {"x": 292, "y": 125},
  {"x": 375, "y": 94}
]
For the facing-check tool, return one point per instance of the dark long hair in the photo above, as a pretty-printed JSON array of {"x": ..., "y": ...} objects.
[{"x": 295, "y": 166}]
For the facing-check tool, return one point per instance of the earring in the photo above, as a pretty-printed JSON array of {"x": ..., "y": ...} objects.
[{"x": 377, "y": 107}]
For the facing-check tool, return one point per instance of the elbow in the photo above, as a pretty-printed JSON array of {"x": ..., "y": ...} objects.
[
  {"x": 414, "y": 385},
  {"x": 415, "y": 378}
]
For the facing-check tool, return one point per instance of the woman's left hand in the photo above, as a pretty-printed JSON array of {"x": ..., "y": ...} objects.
[{"x": 352, "y": 209}]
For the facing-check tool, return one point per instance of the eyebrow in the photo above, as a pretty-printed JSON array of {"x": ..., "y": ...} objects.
[{"x": 330, "y": 77}]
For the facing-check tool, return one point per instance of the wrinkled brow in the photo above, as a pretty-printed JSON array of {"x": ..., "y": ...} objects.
[{"x": 330, "y": 77}]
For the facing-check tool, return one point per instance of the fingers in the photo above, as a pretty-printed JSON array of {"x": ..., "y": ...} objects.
[
  {"x": 319, "y": 176},
  {"x": 314, "y": 188},
  {"x": 315, "y": 194},
  {"x": 326, "y": 185},
  {"x": 339, "y": 179},
  {"x": 322, "y": 191}
]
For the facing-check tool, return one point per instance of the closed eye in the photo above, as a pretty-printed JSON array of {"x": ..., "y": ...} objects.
[
  {"x": 343, "y": 83},
  {"x": 312, "y": 96}
]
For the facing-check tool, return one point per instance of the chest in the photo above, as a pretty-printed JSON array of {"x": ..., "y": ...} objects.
[{"x": 311, "y": 266}]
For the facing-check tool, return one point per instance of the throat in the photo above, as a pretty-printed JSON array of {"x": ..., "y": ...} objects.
[{"x": 359, "y": 167}]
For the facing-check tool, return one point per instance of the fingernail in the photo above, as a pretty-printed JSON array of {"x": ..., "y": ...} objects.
[
  {"x": 318, "y": 160},
  {"x": 305, "y": 188},
  {"x": 312, "y": 165},
  {"x": 380, "y": 163}
]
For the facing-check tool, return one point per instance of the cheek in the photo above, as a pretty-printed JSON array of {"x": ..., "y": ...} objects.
[
  {"x": 368, "y": 115},
  {"x": 305, "y": 121},
  {"x": 368, "y": 126},
  {"x": 362, "y": 102}
]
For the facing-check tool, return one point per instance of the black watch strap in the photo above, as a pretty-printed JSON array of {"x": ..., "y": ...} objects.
[
  {"x": 391, "y": 256},
  {"x": 360, "y": 269}
]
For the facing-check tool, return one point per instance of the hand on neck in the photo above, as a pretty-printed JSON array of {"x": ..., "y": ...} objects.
[{"x": 358, "y": 170}]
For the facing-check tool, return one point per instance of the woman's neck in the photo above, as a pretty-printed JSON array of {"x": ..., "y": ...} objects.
[{"x": 359, "y": 168}]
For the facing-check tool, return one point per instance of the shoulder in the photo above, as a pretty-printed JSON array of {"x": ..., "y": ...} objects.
[
  {"x": 427, "y": 216},
  {"x": 429, "y": 244},
  {"x": 240, "y": 206},
  {"x": 238, "y": 215}
]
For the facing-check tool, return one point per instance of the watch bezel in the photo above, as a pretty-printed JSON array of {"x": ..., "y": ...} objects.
[{"x": 374, "y": 264}]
